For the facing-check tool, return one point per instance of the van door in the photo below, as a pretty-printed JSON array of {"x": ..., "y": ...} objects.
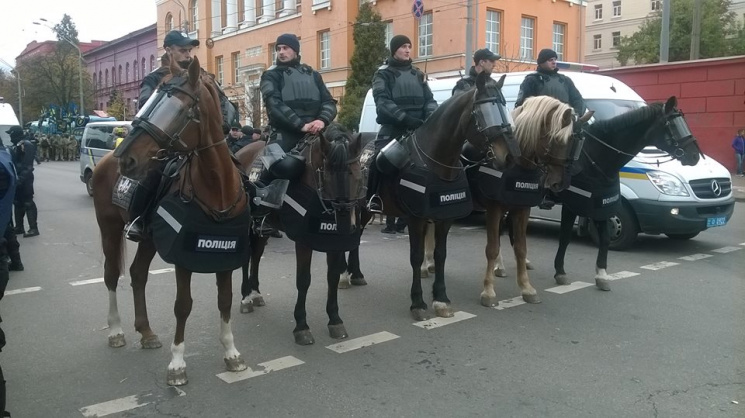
[{"x": 98, "y": 141}]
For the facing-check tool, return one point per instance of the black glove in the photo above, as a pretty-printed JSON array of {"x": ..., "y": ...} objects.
[{"x": 412, "y": 122}]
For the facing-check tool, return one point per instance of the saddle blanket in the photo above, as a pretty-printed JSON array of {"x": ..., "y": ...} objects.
[
  {"x": 516, "y": 186},
  {"x": 423, "y": 194}
]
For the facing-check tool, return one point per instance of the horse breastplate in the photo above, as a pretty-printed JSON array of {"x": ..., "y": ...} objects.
[
  {"x": 554, "y": 87},
  {"x": 407, "y": 92},
  {"x": 300, "y": 92},
  {"x": 423, "y": 194}
]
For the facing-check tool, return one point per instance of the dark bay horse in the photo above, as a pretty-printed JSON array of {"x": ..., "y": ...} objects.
[
  {"x": 609, "y": 145},
  {"x": 186, "y": 125},
  {"x": 333, "y": 183},
  {"x": 544, "y": 130}
]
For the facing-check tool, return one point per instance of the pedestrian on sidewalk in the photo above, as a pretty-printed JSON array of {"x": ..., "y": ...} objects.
[{"x": 738, "y": 144}]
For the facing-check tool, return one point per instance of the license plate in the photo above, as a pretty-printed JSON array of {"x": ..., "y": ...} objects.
[{"x": 718, "y": 221}]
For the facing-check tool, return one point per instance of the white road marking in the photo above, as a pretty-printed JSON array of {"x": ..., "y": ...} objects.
[
  {"x": 160, "y": 271},
  {"x": 128, "y": 403},
  {"x": 725, "y": 250},
  {"x": 742, "y": 243},
  {"x": 361, "y": 342},
  {"x": 510, "y": 303},
  {"x": 622, "y": 275},
  {"x": 23, "y": 290},
  {"x": 659, "y": 266},
  {"x": 439, "y": 322},
  {"x": 268, "y": 367},
  {"x": 89, "y": 281},
  {"x": 694, "y": 257},
  {"x": 560, "y": 290},
  {"x": 468, "y": 228}
]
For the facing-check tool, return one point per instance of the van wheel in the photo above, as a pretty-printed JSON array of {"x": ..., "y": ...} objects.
[
  {"x": 623, "y": 229},
  {"x": 89, "y": 183},
  {"x": 682, "y": 237}
]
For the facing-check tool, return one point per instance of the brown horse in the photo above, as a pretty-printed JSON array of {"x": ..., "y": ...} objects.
[
  {"x": 333, "y": 183},
  {"x": 544, "y": 130},
  {"x": 185, "y": 125}
]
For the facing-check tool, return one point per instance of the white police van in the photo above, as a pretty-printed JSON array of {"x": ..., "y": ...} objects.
[
  {"x": 672, "y": 199},
  {"x": 97, "y": 140}
]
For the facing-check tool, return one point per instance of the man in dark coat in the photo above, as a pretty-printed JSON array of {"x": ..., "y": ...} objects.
[
  {"x": 483, "y": 61},
  {"x": 24, "y": 155},
  {"x": 547, "y": 81}
]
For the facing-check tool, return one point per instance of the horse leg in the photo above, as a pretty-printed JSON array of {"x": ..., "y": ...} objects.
[
  {"x": 113, "y": 251},
  {"x": 428, "y": 265},
  {"x": 233, "y": 360},
  {"x": 139, "y": 273},
  {"x": 440, "y": 302},
  {"x": 499, "y": 270},
  {"x": 251, "y": 296},
  {"x": 182, "y": 309},
  {"x": 565, "y": 236},
  {"x": 417, "y": 228},
  {"x": 303, "y": 256},
  {"x": 602, "y": 280},
  {"x": 520, "y": 232},
  {"x": 352, "y": 274},
  {"x": 335, "y": 263},
  {"x": 492, "y": 251},
  {"x": 507, "y": 225}
]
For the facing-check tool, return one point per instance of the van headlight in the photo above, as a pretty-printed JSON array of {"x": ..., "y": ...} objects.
[{"x": 667, "y": 183}]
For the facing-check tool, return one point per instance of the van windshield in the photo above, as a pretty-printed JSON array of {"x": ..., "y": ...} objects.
[{"x": 609, "y": 108}]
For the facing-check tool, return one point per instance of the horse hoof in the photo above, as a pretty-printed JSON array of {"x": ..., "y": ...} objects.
[
  {"x": 235, "y": 364},
  {"x": 151, "y": 342},
  {"x": 116, "y": 341},
  {"x": 337, "y": 331},
  {"x": 562, "y": 279},
  {"x": 431, "y": 268},
  {"x": 443, "y": 310},
  {"x": 532, "y": 298},
  {"x": 247, "y": 306},
  {"x": 500, "y": 272},
  {"x": 602, "y": 284},
  {"x": 177, "y": 377},
  {"x": 258, "y": 301},
  {"x": 358, "y": 281},
  {"x": 304, "y": 337},
  {"x": 344, "y": 281},
  {"x": 528, "y": 265},
  {"x": 420, "y": 314},
  {"x": 423, "y": 273},
  {"x": 489, "y": 301}
]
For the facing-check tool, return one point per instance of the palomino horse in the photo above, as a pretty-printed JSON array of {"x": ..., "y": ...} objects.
[
  {"x": 610, "y": 144},
  {"x": 325, "y": 217},
  {"x": 186, "y": 125},
  {"x": 544, "y": 128}
]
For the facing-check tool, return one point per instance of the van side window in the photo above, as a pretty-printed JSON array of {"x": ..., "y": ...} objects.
[{"x": 100, "y": 137}]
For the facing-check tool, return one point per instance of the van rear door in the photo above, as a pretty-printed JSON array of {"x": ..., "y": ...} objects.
[{"x": 98, "y": 140}]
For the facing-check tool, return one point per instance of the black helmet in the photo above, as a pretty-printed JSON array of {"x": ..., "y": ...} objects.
[
  {"x": 290, "y": 167},
  {"x": 15, "y": 130}
]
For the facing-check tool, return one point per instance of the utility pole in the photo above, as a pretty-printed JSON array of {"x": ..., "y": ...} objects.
[
  {"x": 665, "y": 34},
  {"x": 469, "y": 32},
  {"x": 696, "y": 32}
]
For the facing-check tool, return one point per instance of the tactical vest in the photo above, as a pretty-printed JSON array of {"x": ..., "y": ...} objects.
[
  {"x": 6, "y": 202},
  {"x": 300, "y": 92},
  {"x": 25, "y": 161},
  {"x": 407, "y": 92},
  {"x": 553, "y": 86}
]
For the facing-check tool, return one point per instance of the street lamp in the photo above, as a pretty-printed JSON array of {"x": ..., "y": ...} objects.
[{"x": 80, "y": 64}]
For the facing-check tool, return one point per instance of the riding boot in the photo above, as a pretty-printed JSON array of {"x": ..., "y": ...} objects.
[
  {"x": 20, "y": 213},
  {"x": 374, "y": 203},
  {"x": 32, "y": 213},
  {"x": 140, "y": 204}
]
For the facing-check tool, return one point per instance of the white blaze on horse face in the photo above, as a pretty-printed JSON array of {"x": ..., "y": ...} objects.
[
  {"x": 177, "y": 358},
  {"x": 114, "y": 321},
  {"x": 226, "y": 338}
]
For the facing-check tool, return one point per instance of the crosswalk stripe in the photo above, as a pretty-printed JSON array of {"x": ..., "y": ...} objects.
[
  {"x": 509, "y": 303},
  {"x": 725, "y": 250},
  {"x": 361, "y": 342},
  {"x": 622, "y": 275},
  {"x": 440, "y": 322},
  {"x": 560, "y": 290},
  {"x": 89, "y": 281},
  {"x": 128, "y": 403},
  {"x": 694, "y": 257},
  {"x": 22, "y": 290},
  {"x": 659, "y": 266},
  {"x": 268, "y": 367}
]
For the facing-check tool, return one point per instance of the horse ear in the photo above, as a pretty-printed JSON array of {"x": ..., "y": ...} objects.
[
  {"x": 481, "y": 80},
  {"x": 500, "y": 83},
  {"x": 671, "y": 104},
  {"x": 566, "y": 118},
  {"x": 194, "y": 72},
  {"x": 586, "y": 117}
]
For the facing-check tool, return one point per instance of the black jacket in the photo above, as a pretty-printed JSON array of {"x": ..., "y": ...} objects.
[
  {"x": 396, "y": 114},
  {"x": 468, "y": 82},
  {"x": 536, "y": 85}
]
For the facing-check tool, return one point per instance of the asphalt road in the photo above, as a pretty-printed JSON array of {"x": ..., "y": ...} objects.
[{"x": 667, "y": 341}]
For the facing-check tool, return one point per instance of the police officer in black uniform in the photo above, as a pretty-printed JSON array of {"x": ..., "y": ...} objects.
[
  {"x": 483, "y": 61},
  {"x": 297, "y": 100},
  {"x": 547, "y": 81},
  {"x": 403, "y": 100},
  {"x": 24, "y": 155}
]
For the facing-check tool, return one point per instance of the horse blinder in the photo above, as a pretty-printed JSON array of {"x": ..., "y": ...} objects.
[{"x": 492, "y": 116}]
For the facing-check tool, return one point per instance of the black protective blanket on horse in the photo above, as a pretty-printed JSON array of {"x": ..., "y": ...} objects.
[
  {"x": 316, "y": 223},
  {"x": 184, "y": 235},
  {"x": 593, "y": 198},
  {"x": 422, "y": 193},
  {"x": 516, "y": 186}
]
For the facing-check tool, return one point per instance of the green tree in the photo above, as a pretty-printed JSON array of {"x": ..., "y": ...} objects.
[
  {"x": 717, "y": 27},
  {"x": 116, "y": 106},
  {"x": 369, "y": 52}
]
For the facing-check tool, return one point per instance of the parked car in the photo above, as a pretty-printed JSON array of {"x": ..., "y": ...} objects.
[{"x": 97, "y": 140}]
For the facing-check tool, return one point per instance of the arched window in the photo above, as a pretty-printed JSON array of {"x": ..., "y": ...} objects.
[
  {"x": 126, "y": 80},
  {"x": 194, "y": 15},
  {"x": 95, "y": 86},
  {"x": 136, "y": 70},
  {"x": 120, "y": 74},
  {"x": 100, "y": 80},
  {"x": 169, "y": 22},
  {"x": 152, "y": 62},
  {"x": 142, "y": 68},
  {"x": 113, "y": 76},
  {"x": 107, "y": 79}
]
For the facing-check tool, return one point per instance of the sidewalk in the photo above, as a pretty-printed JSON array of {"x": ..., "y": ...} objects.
[{"x": 738, "y": 187}]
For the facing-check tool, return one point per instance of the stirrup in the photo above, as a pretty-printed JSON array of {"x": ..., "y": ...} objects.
[
  {"x": 271, "y": 196},
  {"x": 133, "y": 232},
  {"x": 375, "y": 204}
]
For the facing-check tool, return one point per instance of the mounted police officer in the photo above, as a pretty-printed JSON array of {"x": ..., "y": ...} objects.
[
  {"x": 547, "y": 81},
  {"x": 483, "y": 61},
  {"x": 24, "y": 154},
  {"x": 403, "y": 100}
]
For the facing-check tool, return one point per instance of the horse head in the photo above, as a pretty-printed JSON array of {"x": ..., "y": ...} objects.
[
  {"x": 178, "y": 119},
  {"x": 336, "y": 166},
  {"x": 671, "y": 133}
]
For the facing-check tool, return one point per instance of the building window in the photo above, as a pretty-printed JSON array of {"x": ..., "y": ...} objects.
[
  {"x": 113, "y": 76},
  {"x": 558, "y": 40},
  {"x": 324, "y": 47},
  {"x": 493, "y": 29},
  {"x": 272, "y": 53},
  {"x": 152, "y": 63},
  {"x": 597, "y": 42},
  {"x": 95, "y": 80},
  {"x": 169, "y": 22},
  {"x": 136, "y": 72},
  {"x": 236, "y": 67},
  {"x": 120, "y": 74},
  {"x": 598, "y": 11},
  {"x": 143, "y": 71},
  {"x": 655, "y": 5},
  {"x": 388, "y": 34},
  {"x": 107, "y": 79},
  {"x": 194, "y": 13},
  {"x": 425, "y": 35},
  {"x": 617, "y": 8},
  {"x": 616, "y": 39},
  {"x": 126, "y": 79},
  {"x": 218, "y": 70},
  {"x": 527, "y": 26}
]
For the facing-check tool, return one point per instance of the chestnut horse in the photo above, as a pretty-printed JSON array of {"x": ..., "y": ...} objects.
[{"x": 185, "y": 125}]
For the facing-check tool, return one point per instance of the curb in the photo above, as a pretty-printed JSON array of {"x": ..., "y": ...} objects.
[{"x": 739, "y": 193}]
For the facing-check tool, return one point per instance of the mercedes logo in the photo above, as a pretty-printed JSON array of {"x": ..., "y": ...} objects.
[{"x": 716, "y": 188}]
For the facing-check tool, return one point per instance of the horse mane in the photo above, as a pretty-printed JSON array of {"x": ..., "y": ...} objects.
[
  {"x": 535, "y": 114},
  {"x": 462, "y": 103},
  {"x": 338, "y": 137},
  {"x": 626, "y": 121}
]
